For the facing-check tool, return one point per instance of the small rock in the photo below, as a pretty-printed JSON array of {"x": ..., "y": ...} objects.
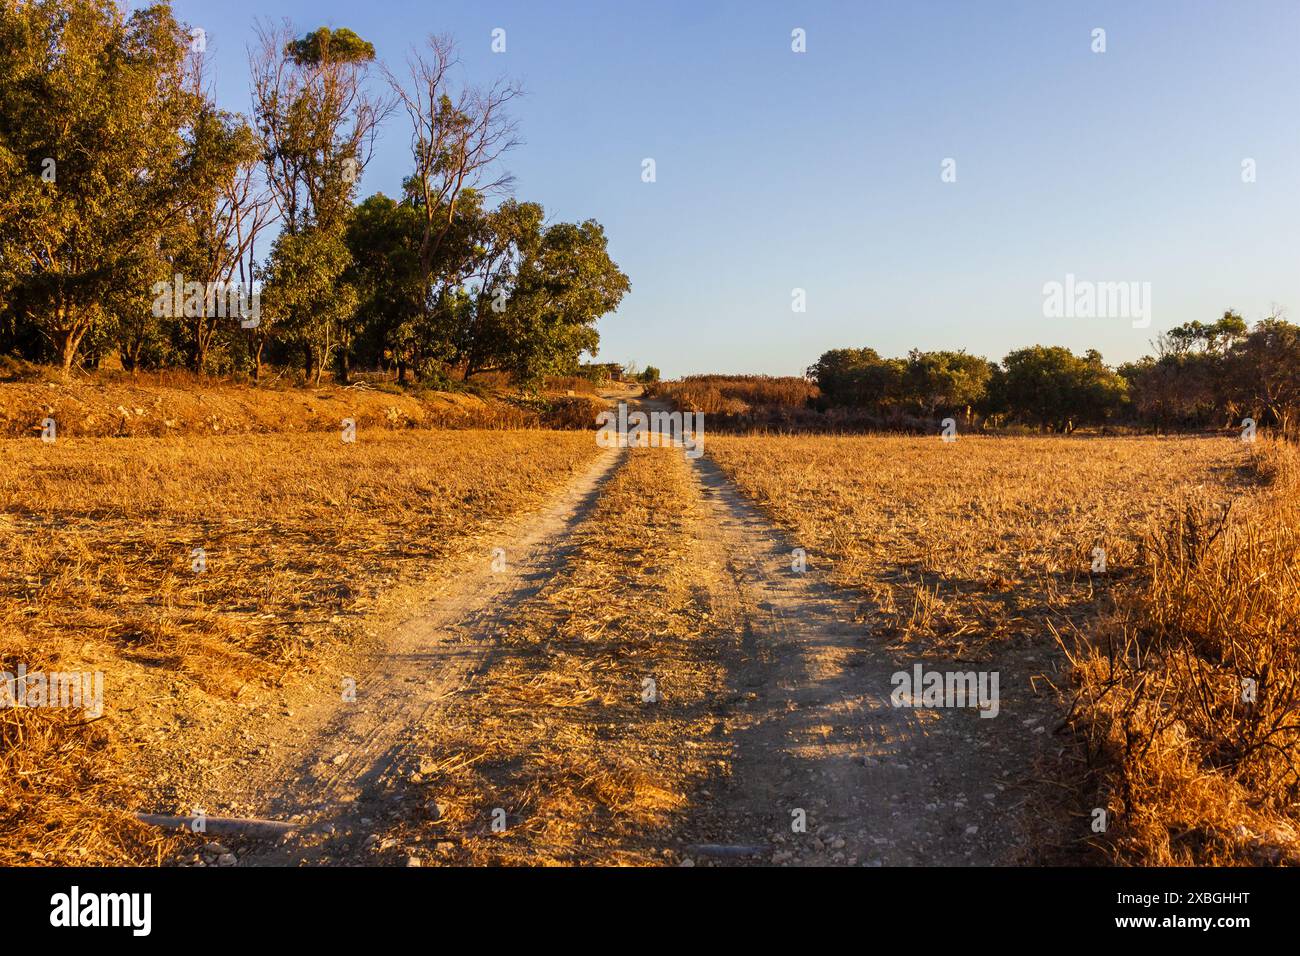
[{"x": 412, "y": 861}]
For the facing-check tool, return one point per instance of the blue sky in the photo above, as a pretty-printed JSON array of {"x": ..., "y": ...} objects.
[{"x": 821, "y": 170}]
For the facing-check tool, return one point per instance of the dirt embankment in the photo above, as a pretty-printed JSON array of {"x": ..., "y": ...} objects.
[{"x": 124, "y": 409}]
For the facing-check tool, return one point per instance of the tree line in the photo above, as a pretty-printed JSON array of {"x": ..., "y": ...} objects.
[
  {"x": 1203, "y": 375},
  {"x": 132, "y": 204}
]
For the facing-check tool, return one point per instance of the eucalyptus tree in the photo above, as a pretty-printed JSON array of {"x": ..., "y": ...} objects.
[{"x": 317, "y": 119}]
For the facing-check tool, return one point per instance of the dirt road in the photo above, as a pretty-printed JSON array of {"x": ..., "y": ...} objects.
[{"x": 824, "y": 769}]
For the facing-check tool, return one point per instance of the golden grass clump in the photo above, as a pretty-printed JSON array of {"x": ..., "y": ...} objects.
[
  {"x": 735, "y": 394},
  {"x": 62, "y": 790},
  {"x": 565, "y": 384},
  {"x": 1187, "y": 703}
]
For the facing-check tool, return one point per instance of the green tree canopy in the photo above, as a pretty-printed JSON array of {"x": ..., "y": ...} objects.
[
  {"x": 326, "y": 45},
  {"x": 1054, "y": 388},
  {"x": 945, "y": 381},
  {"x": 96, "y": 160}
]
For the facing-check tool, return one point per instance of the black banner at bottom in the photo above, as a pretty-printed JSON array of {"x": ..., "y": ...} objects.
[{"x": 332, "y": 906}]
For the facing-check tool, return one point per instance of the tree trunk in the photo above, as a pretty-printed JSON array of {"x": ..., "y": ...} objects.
[
  {"x": 131, "y": 356},
  {"x": 71, "y": 342}
]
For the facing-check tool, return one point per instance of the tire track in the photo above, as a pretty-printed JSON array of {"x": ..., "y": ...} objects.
[
  {"x": 350, "y": 767},
  {"x": 814, "y": 729}
]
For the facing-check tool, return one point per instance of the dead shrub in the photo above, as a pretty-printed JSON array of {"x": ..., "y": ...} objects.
[{"x": 1187, "y": 701}]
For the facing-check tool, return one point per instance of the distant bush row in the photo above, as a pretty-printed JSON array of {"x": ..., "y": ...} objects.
[{"x": 1203, "y": 376}]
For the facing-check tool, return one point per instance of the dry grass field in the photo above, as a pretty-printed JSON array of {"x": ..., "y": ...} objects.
[
  {"x": 984, "y": 550},
  {"x": 962, "y": 545},
  {"x": 300, "y": 535}
]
